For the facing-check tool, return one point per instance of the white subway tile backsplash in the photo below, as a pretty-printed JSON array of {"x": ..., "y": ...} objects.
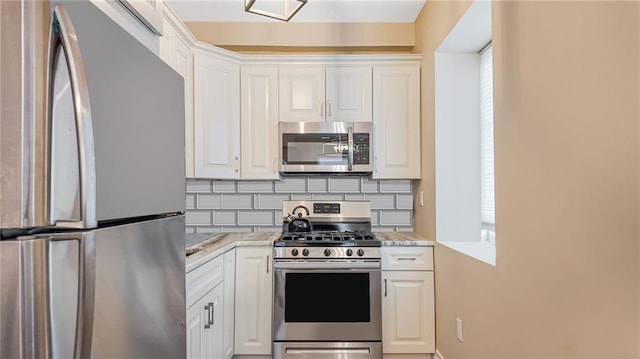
[
  {"x": 237, "y": 201},
  {"x": 209, "y": 201},
  {"x": 271, "y": 201},
  {"x": 292, "y": 185},
  {"x": 198, "y": 218},
  {"x": 301, "y": 197},
  {"x": 404, "y": 201},
  {"x": 255, "y": 218},
  {"x": 353, "y": 197},
  {"x": 236, "y": 229},
  {"x": 246, "y": 206},
  {"x": 381, "y": 201},
  {"x": 224, "y": 186},
  {"x": 395, "y": 186},
  {"x": 369, "y": 186},
  {"x": 255, "y": 186},
  {"x": 317, "y": 185},
  {"x": 198, "y": 186},
  {"x": 327, "y": 197},
  {"x": 396, "y": 218},
  {"x": 344, "y": 184},
  {"x": 191, "y": 201},
  {"x": 209, "y": 230},
  {"x": 375, "y": 218},
  {"x": 190, "y": 230},
  {"x": 221, "y": 218}
]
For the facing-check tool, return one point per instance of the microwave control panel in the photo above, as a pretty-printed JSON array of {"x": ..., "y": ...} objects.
[{"x": 360, "y": 148}]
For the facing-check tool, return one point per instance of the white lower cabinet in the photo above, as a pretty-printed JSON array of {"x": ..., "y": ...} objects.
[
  {"x": 229, "y": 302},
  {"x": 205, "y": 326},
  {"x": 254, "y": 301},
  {"x": 408, "y": 309}
]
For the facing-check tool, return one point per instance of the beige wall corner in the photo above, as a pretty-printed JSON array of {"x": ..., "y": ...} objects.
[
  {"x": 306, "y": 37},
  {"x": 567, "y": 160}
]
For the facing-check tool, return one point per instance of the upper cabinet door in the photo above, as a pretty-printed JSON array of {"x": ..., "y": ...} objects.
[
  {"x": 349, "y": 93},
  {"x": 217, "y": 117},
  {"x": 302, "y": 94},
  {"x": 396, "y": 121},
  {"x": 259, "y": 122}
]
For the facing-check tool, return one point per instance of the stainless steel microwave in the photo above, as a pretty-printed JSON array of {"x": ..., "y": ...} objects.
[{"x": 325, "y": 147}]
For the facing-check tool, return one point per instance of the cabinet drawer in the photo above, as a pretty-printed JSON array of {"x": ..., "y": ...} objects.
[
  {"x": 202, "y": 279},
  {"x": 407, "y": 258}
]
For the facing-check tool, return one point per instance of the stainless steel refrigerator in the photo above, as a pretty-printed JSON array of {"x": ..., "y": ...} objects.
[{"x": 91, "y": 188}]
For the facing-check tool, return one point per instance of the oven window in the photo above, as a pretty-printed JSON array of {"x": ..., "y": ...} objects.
[{"x": 327, "y": 297}]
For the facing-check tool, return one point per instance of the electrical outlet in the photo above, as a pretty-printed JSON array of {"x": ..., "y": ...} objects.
[
  {"x": 421, "y": 198},
  {"x": 459, "y": 329}
]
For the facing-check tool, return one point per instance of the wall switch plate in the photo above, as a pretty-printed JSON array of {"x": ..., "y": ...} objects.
[
  {"x": 421, "y": 198},
  {"x": 459, "y": 329}
]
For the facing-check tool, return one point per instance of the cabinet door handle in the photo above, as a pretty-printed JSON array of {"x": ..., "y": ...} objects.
[
  {"x": 207, "y": 323},
  {"x": 385, "y": 287},
  {"x": 213, "y": 314},
  {"x": 236, "y": 164},
  {"x": 328, "y": 108},
  {"x": 321, "y": 108},
  {"x": 268, "y": 264}
]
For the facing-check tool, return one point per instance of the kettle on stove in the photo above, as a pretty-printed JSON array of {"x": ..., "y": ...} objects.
[{"x": 298, "y": 223}]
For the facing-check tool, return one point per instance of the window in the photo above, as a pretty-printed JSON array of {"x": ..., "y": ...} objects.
[
  {"x": 465, "y": 204},
  {"x": 487, "y": 183}
]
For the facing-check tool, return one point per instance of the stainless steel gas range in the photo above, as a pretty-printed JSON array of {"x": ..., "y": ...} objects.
[{"x": 327, "y": 282}]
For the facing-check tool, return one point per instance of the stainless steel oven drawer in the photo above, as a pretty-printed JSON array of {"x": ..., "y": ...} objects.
[{"x": 318, "y": 350}]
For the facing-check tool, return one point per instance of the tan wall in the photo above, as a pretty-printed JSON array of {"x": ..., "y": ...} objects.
[
  {"x": 567, "y": 140},
  {"x": 306, "y": 37}
]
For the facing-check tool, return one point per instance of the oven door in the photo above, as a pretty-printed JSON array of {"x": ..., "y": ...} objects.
[{"x": 327, "y": 301}]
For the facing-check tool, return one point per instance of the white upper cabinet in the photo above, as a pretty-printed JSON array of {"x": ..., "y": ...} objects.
[
  {"x": 259, "y": 122},
  {"x": 176, "y": 51},
  {"x": 396, "y": 121},
  {"x": 302, "y": 94},
  {"x": 348, "y": 94},
  {"x": 325, "y": 94},
  {"x": 217, "y": 117}
]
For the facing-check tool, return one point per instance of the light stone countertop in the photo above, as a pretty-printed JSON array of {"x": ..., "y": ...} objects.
[{"x": 210, "y": 245}]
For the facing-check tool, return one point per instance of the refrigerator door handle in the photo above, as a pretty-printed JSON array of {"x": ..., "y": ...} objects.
[
  {"x": 64, "y": 34},
  {"x": 86, "y": 291}
]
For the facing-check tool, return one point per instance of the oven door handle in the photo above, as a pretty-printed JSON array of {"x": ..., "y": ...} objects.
[
  {"x": 350, "y": 149},
  {"x": 373, "y": 264}
]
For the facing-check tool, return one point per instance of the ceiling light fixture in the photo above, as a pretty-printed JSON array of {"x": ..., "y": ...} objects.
[{"x": 280, "y": 10}]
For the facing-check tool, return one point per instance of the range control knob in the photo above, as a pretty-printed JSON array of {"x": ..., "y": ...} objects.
[
  {"x": 360, "y": 252},
  {"x": 327, "y": 252},
  {"x": 349, "y": 252},
  {"x": 294, "y": 252},
  {"x": 305, "y": 252}
]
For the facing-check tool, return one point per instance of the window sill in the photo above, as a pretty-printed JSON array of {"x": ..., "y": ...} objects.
[{"x": 482, "y": 251}]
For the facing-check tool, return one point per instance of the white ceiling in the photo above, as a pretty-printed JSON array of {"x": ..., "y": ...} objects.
[{"x": 342, "y": 11}]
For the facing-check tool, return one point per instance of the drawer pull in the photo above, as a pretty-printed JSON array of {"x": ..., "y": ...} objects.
[{"x": 407, "y": 259}]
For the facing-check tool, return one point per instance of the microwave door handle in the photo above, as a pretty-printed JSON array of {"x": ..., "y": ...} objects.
[
  {"x": 350, "y": 146},
  {"x": 64, "y": 34}
]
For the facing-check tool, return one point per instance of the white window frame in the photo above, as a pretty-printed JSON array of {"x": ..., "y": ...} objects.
[{"x": 457, "y": 136}]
